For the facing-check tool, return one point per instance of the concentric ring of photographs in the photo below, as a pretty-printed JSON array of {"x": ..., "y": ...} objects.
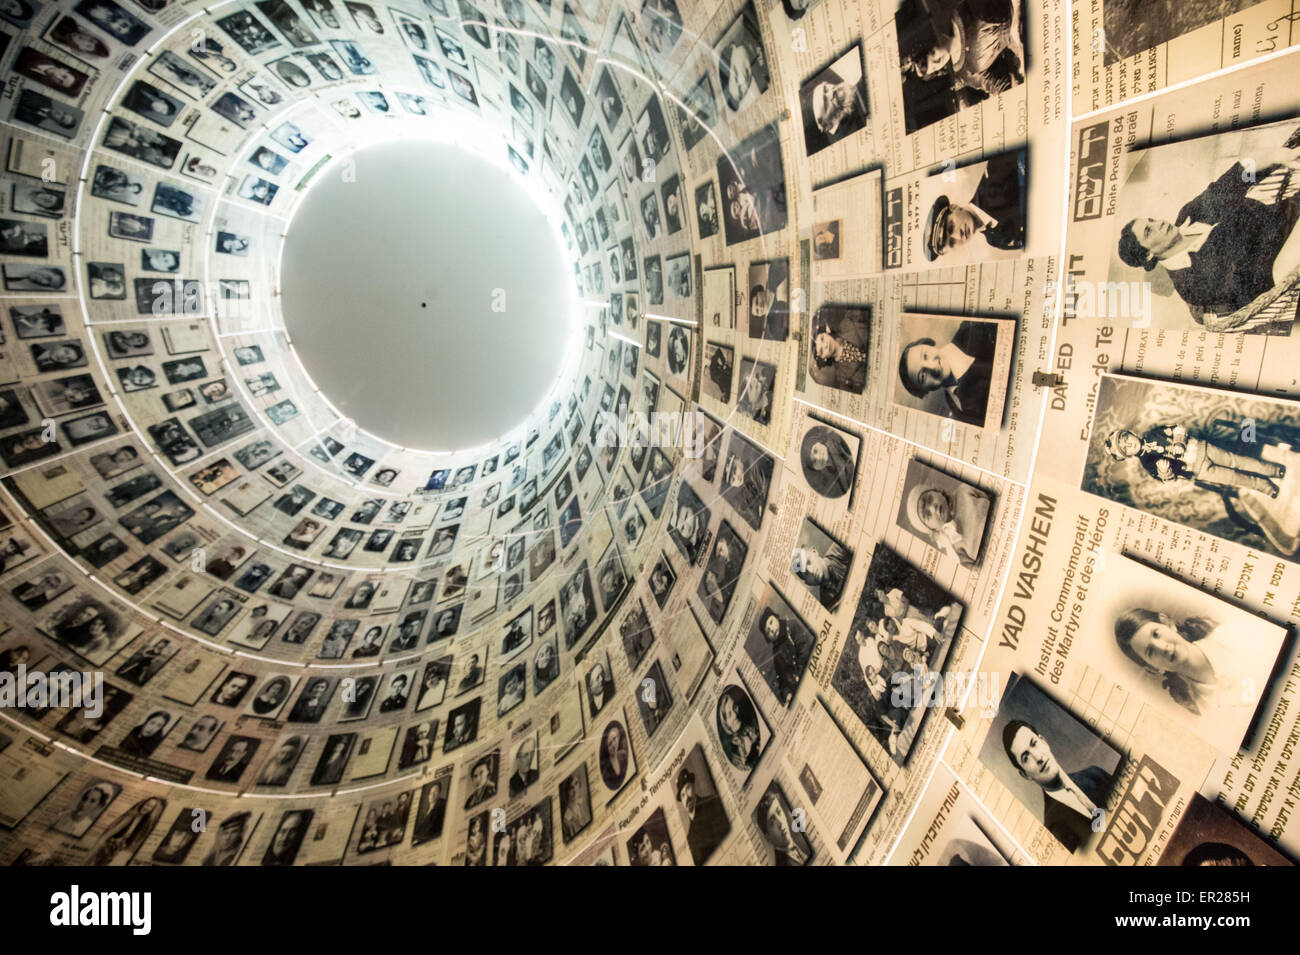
[
  {"x": 1059, "y": 768},
  {"x": 949, "y": 514},
  {"x": 902, "y": 629},
  {"x": 1210, "y": 460},
  {"x": 833, "y": 101},
  {"x": 956, "y": 368},
  {"x": 955, "y": 54}
]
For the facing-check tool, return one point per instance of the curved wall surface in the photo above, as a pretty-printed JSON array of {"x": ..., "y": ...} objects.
[{"x": 916, "y": 485}]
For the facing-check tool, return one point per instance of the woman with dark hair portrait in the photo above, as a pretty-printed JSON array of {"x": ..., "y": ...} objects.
[
  {"x": 678, "y": 350},
  {"x": 145, "y": 737},
  {"x": 1181, "y": 654},
  {"x": 614, "y": 758},
  {"x": 476, "y": 842},
  {"x": 125, "y": 837},
  {"x": 271, "y": 696},
  {"x": 737, "y": 725},
  {"x": 827, "y": 461}
]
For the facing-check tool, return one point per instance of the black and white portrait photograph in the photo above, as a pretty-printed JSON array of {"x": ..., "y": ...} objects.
[
  {"x": 741, "y": 729},
  {"x": 821, "y": 563},
  {"x": 902, "y": 629},
  {"x": 1208, "y": 225},
  {"x": 841, "y": 340},
  {"x": 746, "y": 478},
  {"x": 650, "y": 844},
  {"x": 1208, "y": 460},
  {"x": 957, "y": 368},
  {"x": 756, "y": 389},
  {"x": 1061, "y": 769},
  {"x": 719, "y": 371},
  {"x": 769, "y": 300},
  {"x": 462, "y": 724},
  {"x": 40, "y": 112},
  {"x": 833, "y": 101},
  {"x": 751, "y": 181},
  {"x": 689, "y": 523},
  {"x": 722, "y": 570},
  {"x": 743, "y": 71},
  {"x": 654, "y": 698},
  {"x": 973, "y": 213},
  {"x": 699, "y": 806},
  {"x": 954, "y": 54},
  {"x": 617, "y": 764},
  {"x": 946, "y": 512}
]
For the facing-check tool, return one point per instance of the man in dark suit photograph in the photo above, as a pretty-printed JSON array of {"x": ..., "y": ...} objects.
[
  {"x": 1070, "y": 800},
  {"x": 525, "y": 773},
  {"x": 288, "y": 837},
  {"x": 428, "y": 820},
  {"x": 962, "y": 368},
  {"x": 233, "y": 760},
  {"x": 1221, "y": 250},
  {"x": 995, "y": 211},
  {"x": 708, "y": 824}
]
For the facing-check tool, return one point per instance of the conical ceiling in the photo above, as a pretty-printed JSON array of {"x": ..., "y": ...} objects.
[{"x": 834, "y": 498}]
